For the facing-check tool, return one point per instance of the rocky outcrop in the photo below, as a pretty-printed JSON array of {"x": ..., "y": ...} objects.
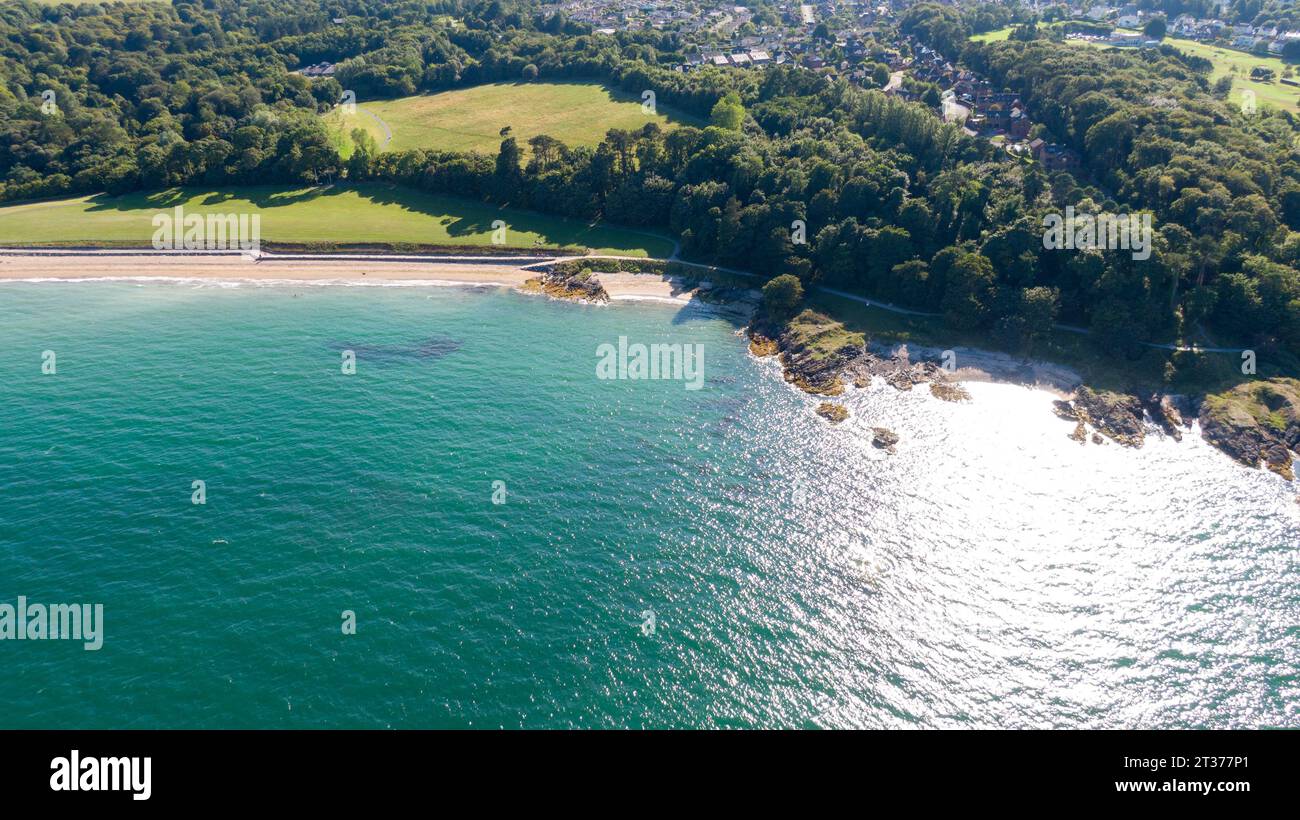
[
  {"x": 818, "y": 377},
  {"x": 1118, "y": 415},
  {"x": 899, "y": 379},
  {"x": 949, "y": 391},
  {"x": 1256, "y": 422},
  {"x": 762, "y": 346},
  {"x": 563, "y": 283},
  {"x": 1080, "y": 433},
  {"x": 1121, "y": 417},
  {"x": 884, "y": 439},
  {"x": 815, "y": 351},
  {"x": 1165, "y": 413},
  {"x": 834, "y": 413},
  {"x": 899, "y": 372},
  {"x": 1064, "y": 410},
  {"x": 819, "y": 355}
]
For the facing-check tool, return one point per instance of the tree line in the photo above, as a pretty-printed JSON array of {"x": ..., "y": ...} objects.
[{"x": 793, "y": 173}]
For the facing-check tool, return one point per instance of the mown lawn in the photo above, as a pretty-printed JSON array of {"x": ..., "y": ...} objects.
[
  {"x": 996, "y": 36},
  {"x": 369, "y": 213},
  {"x": 471, "y": 119}
]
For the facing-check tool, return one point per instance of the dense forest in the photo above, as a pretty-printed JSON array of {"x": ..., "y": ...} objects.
[
  {"x": 1156, "y": 136},
  {"x": 896, "y": 204}
]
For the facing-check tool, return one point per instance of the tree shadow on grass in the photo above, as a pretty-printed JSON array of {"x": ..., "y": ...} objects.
[
  {"x": 471, "y": 217},
  {"x": 474, "y": 217},
  {"x": 460, "y": 218},
  {"x": 262, "y": 197}
]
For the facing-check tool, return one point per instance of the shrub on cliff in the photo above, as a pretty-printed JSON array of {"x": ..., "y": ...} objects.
[{"x": 782, "y": 297}]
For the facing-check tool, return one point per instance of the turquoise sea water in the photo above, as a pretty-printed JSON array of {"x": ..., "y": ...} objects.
[{"x": 990, "y": 573}]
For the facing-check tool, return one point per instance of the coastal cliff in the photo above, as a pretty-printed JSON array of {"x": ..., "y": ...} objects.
[{"x": 1256, "y": 422}]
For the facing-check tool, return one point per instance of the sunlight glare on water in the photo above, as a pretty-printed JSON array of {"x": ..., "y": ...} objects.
[{"x": 991, "y": 572}]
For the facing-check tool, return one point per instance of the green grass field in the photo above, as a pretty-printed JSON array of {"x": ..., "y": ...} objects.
[
  {"x": 471, "y": 119},
  {"x": 1238, "y": 64},
  {"x": 367, "y": 213},
  {"x": 1226, "y": 62},
  {"x": 996, "y": 36}
]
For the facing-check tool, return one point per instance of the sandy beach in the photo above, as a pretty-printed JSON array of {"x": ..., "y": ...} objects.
[
  {"x": 237, "y": 268},
  {"x": 976, "y": 365},
  {"x": 644, "y": 286},
  {"x": 144, "y": 265}
]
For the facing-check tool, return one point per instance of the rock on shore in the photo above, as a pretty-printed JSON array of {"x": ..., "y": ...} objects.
[
  {"x": 1165, "y": 413},
  {"x": 818, "y": 355},
  {"x": 949, "y": 391},
  {"x": 762, "y": 346},
  {"x": 834, "y": 413},
  {"x": 1121, "y": 417},
  {"x": 561, "y": 283},
  {"x": 1118, "y": 415},
  {"x": 816, "y": 350},
  {"x": 1256, "y": 422},
  {"x": 884, "y": 439}
]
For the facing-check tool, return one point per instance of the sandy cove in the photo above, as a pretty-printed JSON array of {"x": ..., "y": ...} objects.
[
  {"x": 620, "y": 286},
  {"x": 974, "y": 365}
]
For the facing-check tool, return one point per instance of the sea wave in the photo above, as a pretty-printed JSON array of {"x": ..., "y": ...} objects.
[{"x": 236, "y": 282}]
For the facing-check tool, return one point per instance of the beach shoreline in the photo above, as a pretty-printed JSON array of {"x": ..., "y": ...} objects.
[
  {"x": 225, "y": 270},
  {"x": 145, "y": 267},
  {"x": 976, "y": 365},
  {"x": 622, "y": 287}
]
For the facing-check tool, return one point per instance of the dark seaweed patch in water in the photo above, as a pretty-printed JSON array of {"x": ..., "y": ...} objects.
[{"x": 433, "y": 348}]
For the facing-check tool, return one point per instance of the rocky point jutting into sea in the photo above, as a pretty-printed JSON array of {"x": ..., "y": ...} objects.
[{"x": 1255, "y": 423}]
